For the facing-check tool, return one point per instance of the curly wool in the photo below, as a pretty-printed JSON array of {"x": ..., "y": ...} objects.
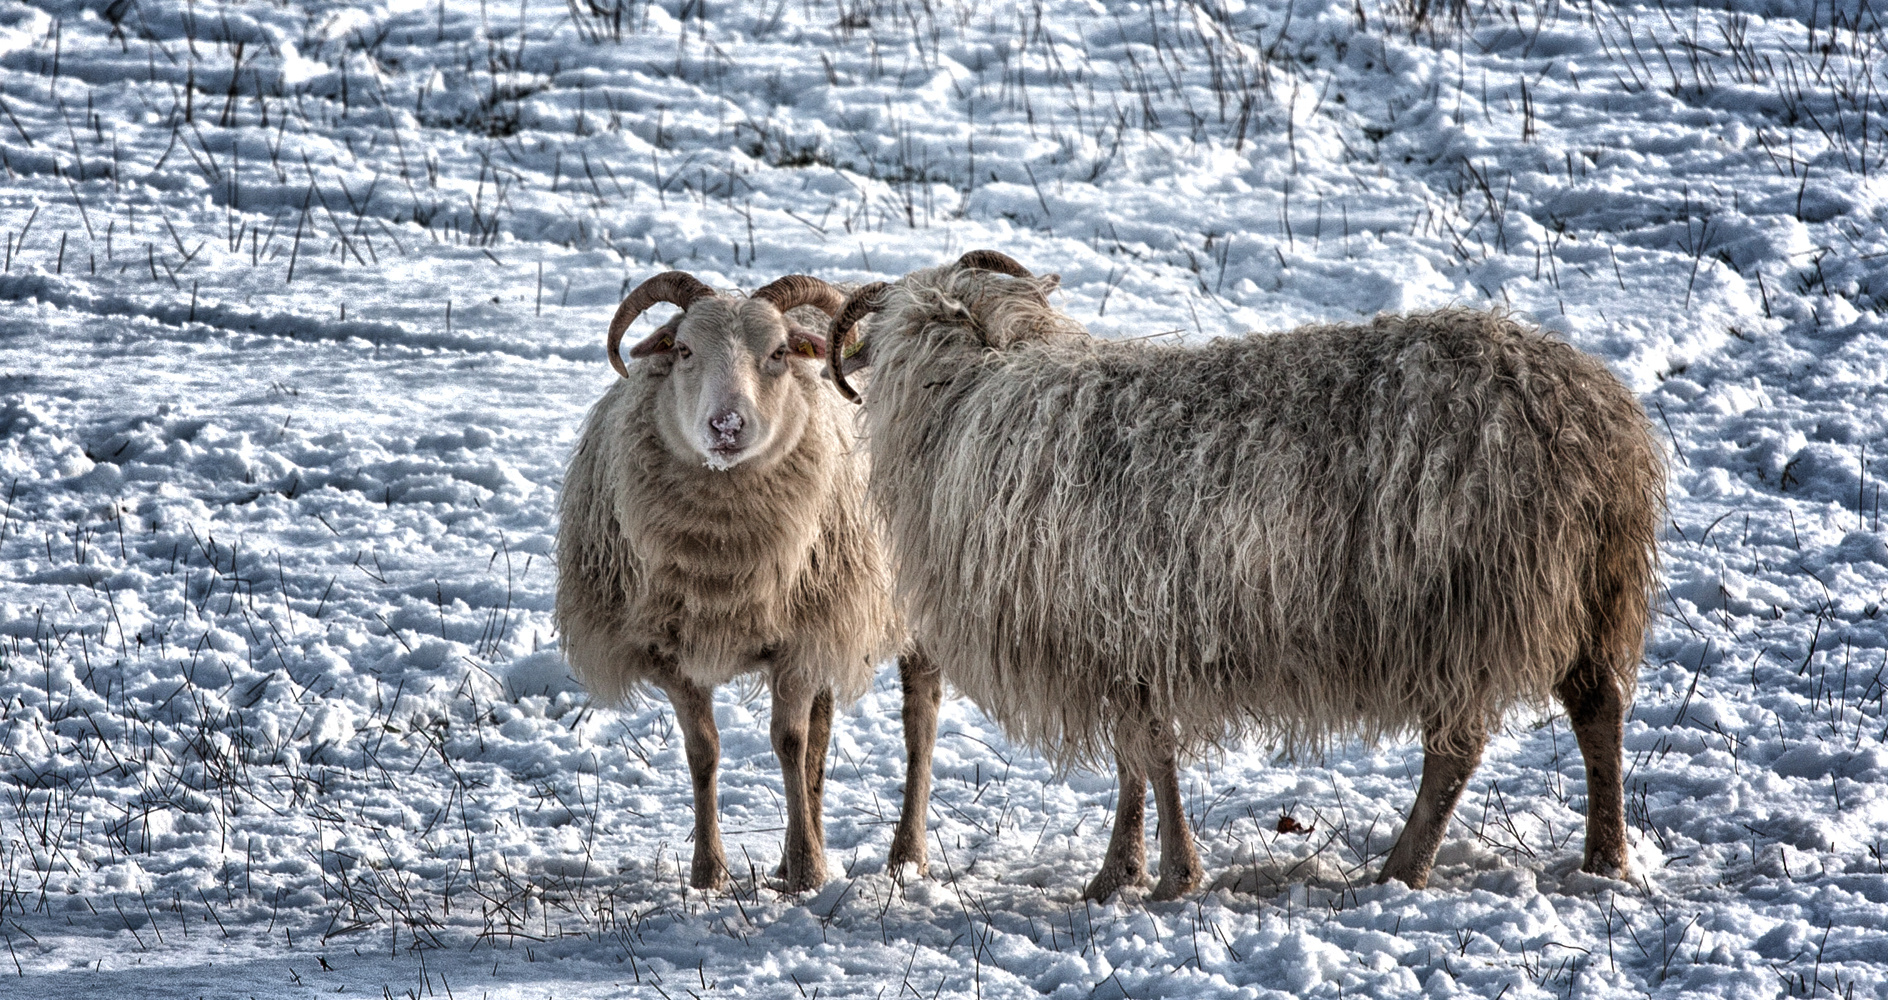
[
  {"x": 1340, "y": 531},
  {"x": 666, "y": 565}
]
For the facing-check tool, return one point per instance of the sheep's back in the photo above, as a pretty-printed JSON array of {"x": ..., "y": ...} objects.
[{"x": 1338, "y": 530}]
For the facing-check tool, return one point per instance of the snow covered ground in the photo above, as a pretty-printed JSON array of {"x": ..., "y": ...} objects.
[{"x": 303, "y": 303}]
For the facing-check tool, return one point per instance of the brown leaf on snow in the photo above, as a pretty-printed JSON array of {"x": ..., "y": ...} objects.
[{"x": 1289, "y": 824}]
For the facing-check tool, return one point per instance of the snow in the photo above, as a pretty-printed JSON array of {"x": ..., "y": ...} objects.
[{"x": 304, "y": 303}]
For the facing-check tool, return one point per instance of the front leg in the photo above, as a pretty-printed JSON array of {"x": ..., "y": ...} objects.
[
  {"x": 1125, "y": 863},
  {"x": 805, "y": 858},
  {"x": 924, "y": 692},
  {"x": 819, "y": 737},
  {"x": 695, "y": 713}
]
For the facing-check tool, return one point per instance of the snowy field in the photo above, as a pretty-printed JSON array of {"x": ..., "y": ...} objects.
[{"x": 302, "y": 304}]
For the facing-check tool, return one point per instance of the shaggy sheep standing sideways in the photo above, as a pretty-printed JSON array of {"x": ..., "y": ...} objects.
[
  {"x": 711, "y": 525},
  {"x": 1349, "y": 530}
]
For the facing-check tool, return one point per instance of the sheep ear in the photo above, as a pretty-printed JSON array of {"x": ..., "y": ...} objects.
[
  {"x": 660, "y": 342},
  {"x": 859, "y": 355},
  {"x": 1050, "y": 282},
  {"x": 805, "y": 342}
]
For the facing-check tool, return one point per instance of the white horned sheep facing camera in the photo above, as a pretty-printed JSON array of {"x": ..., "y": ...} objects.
[
  {"x": 712, "y": 525},
  {"x": 1356, "y": 530}
]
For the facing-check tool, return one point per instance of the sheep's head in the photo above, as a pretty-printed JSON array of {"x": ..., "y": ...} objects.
[
  {"x": 970, "y": 292},
  {"x": 736, "y": 370}
]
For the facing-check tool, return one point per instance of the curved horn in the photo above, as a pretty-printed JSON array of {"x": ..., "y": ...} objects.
[
  {"x": 796, "y": 290},
  {"x": 991, "y": 260},
  {"x": 674, "y": 287},
  {"x": 863, "y": 302}
]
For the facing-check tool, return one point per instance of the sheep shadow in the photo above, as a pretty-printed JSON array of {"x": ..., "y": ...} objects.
[
  {"x": 1461, "y": 863},
  {"x": 1271, "y": 877}
]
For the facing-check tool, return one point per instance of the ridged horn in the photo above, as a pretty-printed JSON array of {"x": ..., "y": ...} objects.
[
  {"x": 992, "y": 260},
  {"x": 839, "y": 336},
  {"x": 674, "y": 287},
  {"x": 796, "y": 290}
]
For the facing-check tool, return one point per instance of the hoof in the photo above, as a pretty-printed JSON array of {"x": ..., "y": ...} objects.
[
  {"x": 801, "y": 878},
  {"x": 1607, "y": 865},
  {"x": 903, "y": 856},
  {"x": 1173, "y": 886},
  {"x": 1109, "y": 881},
  {"x": 907, "y": 872},
  {"x": 902, "y": 868},
  {"x": 1415, "y": 879},
  {"x": 708, "y": 870}
]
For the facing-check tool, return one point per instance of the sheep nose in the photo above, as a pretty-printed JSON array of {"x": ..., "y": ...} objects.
[{"x": 727, "y": 424}]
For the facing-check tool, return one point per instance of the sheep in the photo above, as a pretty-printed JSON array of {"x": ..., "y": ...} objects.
[
  {"x": 711, "y": 527},
  {"x": 1342, "y": 531}
]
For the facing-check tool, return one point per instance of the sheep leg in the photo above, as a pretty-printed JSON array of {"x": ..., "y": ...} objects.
[
  {"x": 924, "y": 692},
  {"x": 1125, "y": 863},
  {"x": 1180, "y": 866},
  {"x": 695, "y": 711},
  {"x": 1597, "y": 713},
  {"x": 804, "y": 858},
  {"x": 819, "y": 737},
  {"x": 1447, "y": 764},
  {"x": 819, "y": 731}
]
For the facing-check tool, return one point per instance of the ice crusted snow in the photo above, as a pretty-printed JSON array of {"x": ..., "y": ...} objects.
[{"x": 304, "y": 303}]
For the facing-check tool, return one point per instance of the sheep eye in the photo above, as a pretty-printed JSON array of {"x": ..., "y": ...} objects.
[
  {"x": 682, "y": 351},
  {"x": 780, "y": 352}
]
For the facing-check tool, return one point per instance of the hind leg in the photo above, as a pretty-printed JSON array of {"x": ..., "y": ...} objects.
[
  {"x": 1125, "y": 863},
  {"x": 804, "y": 857},
  {"x": 819, "y": 734},
  {"x": 1597, "y": 713},
  {"x": 1447, "y": 765},
  {"x": 924, "y": 691},
  {"x": 1180, "y": 866},
  {"x": 819, "y": 731}
]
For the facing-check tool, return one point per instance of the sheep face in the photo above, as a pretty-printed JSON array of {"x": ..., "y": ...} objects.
[{"x": 731, "y": 395}]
